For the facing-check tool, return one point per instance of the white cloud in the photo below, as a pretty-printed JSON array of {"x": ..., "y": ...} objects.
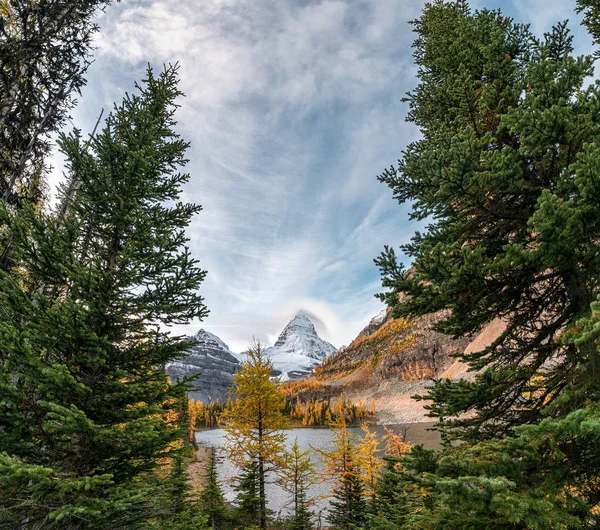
[
  {"x": 290, "y": 203},
  {"x": 292, "y": 109}
]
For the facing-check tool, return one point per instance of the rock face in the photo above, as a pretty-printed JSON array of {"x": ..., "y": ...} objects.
[
  {"x": 212, "y": 359},
  {"x": 390, "y": 361},
  {"x": 298, "y": 349}
]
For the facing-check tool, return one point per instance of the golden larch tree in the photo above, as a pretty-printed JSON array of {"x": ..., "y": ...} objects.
[
  {"x": 254, "y": 420},
  {"x": 348, "y": 504},
  {"x": 395, "y": 444},
  {"x": 370, "y": 463}
]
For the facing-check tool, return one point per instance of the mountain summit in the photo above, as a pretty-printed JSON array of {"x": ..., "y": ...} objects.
[{"x": 298, "y": 349}]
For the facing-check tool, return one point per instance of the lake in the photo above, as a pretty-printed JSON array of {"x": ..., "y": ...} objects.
[{"x": 308, "y": 438}]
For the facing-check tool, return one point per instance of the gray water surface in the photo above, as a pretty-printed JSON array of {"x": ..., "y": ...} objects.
[{"x": 309, "y": 439}]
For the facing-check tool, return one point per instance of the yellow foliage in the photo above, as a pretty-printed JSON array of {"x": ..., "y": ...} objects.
[
  {"x": 395, "y": 444},
  {"x": 206, "y": 415},
  {"x": 298, "y": 474},
  {"x": 253, "y": 421},
  {"x": 370, "y": 462},
  {"x": 343, "y": 459},
  {"x": 390, "y": 340}
]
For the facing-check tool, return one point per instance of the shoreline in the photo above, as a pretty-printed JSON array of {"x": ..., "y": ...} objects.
[
  {"x": 416, "y": 433},
  {"x": 357, "y": 425}
]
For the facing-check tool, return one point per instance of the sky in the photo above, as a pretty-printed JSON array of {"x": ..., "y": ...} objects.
[{"x": 292, "y": 108}]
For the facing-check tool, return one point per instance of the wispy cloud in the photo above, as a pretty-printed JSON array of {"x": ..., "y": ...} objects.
[{"x": 292, "y": 109}]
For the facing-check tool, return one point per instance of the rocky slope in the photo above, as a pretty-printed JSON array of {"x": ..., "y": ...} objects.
[
  {"x": 394, "y": 359},
  {"x": 211, "y": 358}
]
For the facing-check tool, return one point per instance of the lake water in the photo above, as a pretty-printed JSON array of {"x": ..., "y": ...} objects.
[{"x": 308, "y": 438}]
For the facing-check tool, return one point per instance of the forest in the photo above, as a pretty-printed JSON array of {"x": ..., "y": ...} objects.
[
  {"x": 505, "y": 171},
  {"x": 305, "y": 404}
]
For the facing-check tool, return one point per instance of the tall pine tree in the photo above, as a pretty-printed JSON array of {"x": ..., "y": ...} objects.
[
  {"x": 211, "y": 499},
  {"x": 84, "y": 397},
  {"x": 591, "y": 17},
  {"x": 507, "y": 173},
  {"x": 342, "y": 466},
  {"x": 248, "y": 500},
  {"x": 544, "y": 477}
]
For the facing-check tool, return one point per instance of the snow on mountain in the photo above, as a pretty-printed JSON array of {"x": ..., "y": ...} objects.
[
  {"x": 379, "y": 318},
  {"x": 298, "y": 349},
  {"x": 212, "y": 359}
]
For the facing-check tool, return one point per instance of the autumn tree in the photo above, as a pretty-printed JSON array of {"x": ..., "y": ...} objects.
[
  {"x": 395, "y": 443},
  {"x": 370, "y": 462},
  {"x": 506, "y": 172},
  {"x": 297, "y": 476},
  {"x": 253, "y": 422}
]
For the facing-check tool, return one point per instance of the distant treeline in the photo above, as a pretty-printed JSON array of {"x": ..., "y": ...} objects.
[{"x": 305, "y": 404}]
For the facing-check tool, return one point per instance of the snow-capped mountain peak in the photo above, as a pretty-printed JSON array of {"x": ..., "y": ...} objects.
[
  {"x": 379, "y": 318},
  {"x": 298, "y": 348},
  {"x": 300, "y": 321},
  {"x": 210, "y": 340}
]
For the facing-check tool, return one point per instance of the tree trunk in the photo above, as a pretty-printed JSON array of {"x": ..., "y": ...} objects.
[
  {"x": 346, "y": 485},
  {"x": 261, "y": 493}
]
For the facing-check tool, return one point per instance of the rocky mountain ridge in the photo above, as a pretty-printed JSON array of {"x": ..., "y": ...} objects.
[
  {"x": 297, "y": 351},
  {"x": 392, "y": 360},
  {"x": 214, "y": 363}
]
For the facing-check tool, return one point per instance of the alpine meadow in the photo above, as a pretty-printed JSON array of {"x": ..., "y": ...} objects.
[{"x": 200, "y": 205}]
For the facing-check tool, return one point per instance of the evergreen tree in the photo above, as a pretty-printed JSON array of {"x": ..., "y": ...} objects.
[
  {"x": 297, "y": 476},
  {"x": 211, "y": 499},
  {"x": 349, "y": 507},
  {"x": 389, "y": 507},
  {"x": 249, "y": 505},
  {"x": 171, "y": 495},
  {"x": 85, "y": 402},
  {"x": 44, "y": 53},
  {"x": 178, "y": 485},
  {"x": 591, "y": 14},
  {"x": 253, "y": 422},
  {"x": 507, "y": 173},
  {"x": 545, "y": 477}
]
